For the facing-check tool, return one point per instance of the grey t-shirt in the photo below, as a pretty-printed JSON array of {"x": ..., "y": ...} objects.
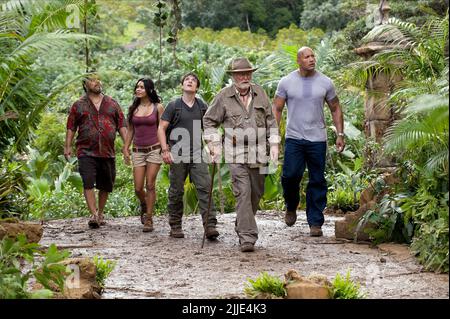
[
  {"x": 185, "y": 138},
  {"x": 305, "y": 98}
]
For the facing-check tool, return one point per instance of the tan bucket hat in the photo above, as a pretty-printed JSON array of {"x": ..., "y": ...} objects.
[{"x": 240, "y": 65}]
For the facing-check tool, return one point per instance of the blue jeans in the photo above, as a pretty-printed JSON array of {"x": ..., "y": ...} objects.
[{"x": 297, "y": 155}]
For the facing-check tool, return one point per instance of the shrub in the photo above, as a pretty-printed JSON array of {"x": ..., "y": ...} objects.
[
  {"x": 12, "y": 187},
  {"x": 429, "y": 211},
  {"x": 14, "y": 276},
  {"x": 50, "y": 135},
  {"x": 265, "y": 284},
  {"x": 345, "y": 288},
  {"x": 104, "y": 268},
  {"x": 67, "y": 203}
]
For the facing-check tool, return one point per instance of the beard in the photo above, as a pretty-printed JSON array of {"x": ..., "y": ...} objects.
[{"x": 96, "y": 90}]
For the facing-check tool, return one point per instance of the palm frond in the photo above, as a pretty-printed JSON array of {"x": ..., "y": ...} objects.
[
  {"x": 22, "y": 7},
  {"x": 27, "y": 29},
  {"x": 46, "y": 41},
  {"x": 55, "y": 15},
  {"x": 438, "y": 161},
  {"x": 429, "y": 102}
]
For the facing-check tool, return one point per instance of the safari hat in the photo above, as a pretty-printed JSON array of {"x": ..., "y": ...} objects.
[{"x": 240, "y": 65}]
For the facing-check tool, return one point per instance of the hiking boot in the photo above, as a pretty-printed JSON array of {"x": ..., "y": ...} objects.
[
  {"x": 143, "y": 212},
  {"x": 176, "y": 233},
  {"x": 148, "y": 226},
  {"x": 315, "y": 231},
  {"x": 291, "y": 217},
  {"x": 247, "y": 247},
  {"x": 212, "y": 233}
]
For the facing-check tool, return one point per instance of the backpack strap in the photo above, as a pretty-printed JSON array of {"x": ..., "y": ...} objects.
[
  {"x": 177, "y": 115},
  {"x": 175, "y": 118},
  {"x": 203, "y": 108}
]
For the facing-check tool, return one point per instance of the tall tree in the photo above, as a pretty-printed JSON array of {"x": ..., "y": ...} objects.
[
  {"x": 325, "y": 14},
  {"x": 160, "y": 20},
  {"x": 250, "y": 15},
  {"x": 175, "y": 15}
]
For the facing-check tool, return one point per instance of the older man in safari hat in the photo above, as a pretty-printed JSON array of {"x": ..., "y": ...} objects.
[{"x": 251, "y": 133}]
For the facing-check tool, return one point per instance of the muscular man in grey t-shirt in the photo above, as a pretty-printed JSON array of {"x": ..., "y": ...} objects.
[{"x": 305, "y": 91}]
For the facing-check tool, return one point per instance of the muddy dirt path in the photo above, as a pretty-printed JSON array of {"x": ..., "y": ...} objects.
[{"x": 153, "y": 265}]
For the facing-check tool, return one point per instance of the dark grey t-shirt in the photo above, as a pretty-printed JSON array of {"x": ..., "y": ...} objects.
[
  {"x": 305, "y": 98},
  {"x": 186, "y": 137}
]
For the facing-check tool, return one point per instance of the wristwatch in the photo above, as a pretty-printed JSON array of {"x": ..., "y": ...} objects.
[{"x": 341, "y": 134}]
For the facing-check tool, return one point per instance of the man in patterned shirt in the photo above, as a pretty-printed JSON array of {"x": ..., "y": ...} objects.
[{"x": 97, "y": 118}]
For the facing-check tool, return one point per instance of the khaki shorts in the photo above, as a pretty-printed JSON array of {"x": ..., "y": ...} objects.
[{"x": 141, "y": 159}]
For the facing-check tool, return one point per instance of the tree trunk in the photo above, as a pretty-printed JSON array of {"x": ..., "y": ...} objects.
[
  {"x": 248, "y": 23},
  {"x": 86, "y": 43}
]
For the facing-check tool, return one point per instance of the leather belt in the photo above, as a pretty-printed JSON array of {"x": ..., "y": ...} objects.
[{"x": 146, "y": 149}]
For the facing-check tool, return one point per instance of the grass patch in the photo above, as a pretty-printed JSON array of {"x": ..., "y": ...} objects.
[
  {"x": 266, "y": 286},
  {"x": 104, "y": 268},
  {"x": 345, "y": 288}
]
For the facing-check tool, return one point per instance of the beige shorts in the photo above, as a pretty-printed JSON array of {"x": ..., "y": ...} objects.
[{"x": 141, "y": 159}]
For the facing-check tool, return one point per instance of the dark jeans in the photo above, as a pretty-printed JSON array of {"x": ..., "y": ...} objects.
[{"x": 297, "y": 155}]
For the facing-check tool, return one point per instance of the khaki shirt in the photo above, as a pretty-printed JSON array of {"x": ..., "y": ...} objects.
[{"x": 247, "y": 133}]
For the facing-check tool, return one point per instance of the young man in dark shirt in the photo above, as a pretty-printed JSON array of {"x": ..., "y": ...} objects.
[{"x": 183, "y": 151}]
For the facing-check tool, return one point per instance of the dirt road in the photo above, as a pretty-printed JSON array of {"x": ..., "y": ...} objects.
[{"x": 153, "y": 265}]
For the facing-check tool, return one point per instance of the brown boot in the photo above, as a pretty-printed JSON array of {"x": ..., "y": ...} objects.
[
  {"x": 212, "y": 233},
  {"x": 143, "y": 212},
  {"x": 176, "y": 233},
  {"x": 315, "y": 231},
  {"x": 290, "y": 217},
  {"x": 148, "y": 224}
]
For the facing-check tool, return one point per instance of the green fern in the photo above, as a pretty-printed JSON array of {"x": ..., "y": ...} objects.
[
  {"x": 27, "y": 29},
  {"x": 265, "y": 284},
  {"x": 345, "y": 288},
  {"x": 423, "y": 133},
  {"x": 104, "y": 268}
]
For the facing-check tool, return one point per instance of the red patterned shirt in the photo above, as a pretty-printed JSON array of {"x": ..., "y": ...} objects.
[{"x": 96, "y": 129}]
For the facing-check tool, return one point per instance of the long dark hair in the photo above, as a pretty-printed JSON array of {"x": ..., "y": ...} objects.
[{"x": 151, "y": 93}]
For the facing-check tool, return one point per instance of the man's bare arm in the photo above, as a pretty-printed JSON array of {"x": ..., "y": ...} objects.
[
  {"x": 337, "y": 115},
  {"x": 68, "y": 144},
  {"x": 277, "y": 108},
  {"x": 338, "y": 120}
]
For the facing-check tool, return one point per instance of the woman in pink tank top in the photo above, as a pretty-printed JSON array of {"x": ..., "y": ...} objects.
[{"x": 143, "y": 120}]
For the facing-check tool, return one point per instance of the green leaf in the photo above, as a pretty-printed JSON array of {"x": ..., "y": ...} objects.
[{"x": 41, "y": 294}]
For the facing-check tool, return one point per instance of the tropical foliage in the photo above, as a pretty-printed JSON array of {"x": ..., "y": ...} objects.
[
  {"x": 417, "y": 208},
  {"x": 27, "y": 29},
  {"x": 42, "y": 60},
  {"x": 15, "y": 278},
  {"x": 265, "y": 286},
  {"x": 345, "y": 288}
]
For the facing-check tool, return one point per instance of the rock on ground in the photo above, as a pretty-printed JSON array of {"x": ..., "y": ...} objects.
[{"x": 11, "y": 228}]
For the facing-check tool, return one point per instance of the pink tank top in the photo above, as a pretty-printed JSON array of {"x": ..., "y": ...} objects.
[{"x": 145, "y": 129}]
